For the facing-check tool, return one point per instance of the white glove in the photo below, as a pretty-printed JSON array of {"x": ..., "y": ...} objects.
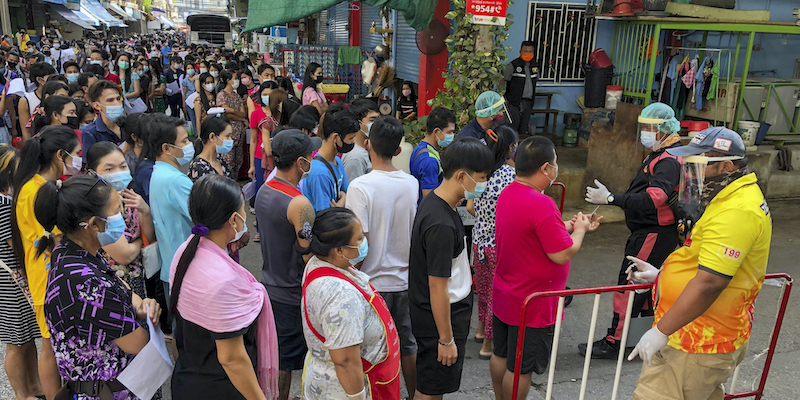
[
  {"x": 598, "y": 195},
  {"x": 652, "y": 341},
  {"x": 644, "y": 273}
]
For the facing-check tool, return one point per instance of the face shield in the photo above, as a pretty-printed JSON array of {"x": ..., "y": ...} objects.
[
  {"x": 497, "y": 111},
  {"x": 649, "y": 128},
  {"x": 687, "y": 206}
]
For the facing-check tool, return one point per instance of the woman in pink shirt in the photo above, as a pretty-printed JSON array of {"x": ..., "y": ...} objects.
[{"x": 312, "y": 95}]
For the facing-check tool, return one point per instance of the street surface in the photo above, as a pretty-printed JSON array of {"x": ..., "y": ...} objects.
[{"x": 597, "y": 264}]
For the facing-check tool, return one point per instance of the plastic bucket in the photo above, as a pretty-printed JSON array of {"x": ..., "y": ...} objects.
[
  {"x": 599, "y": 59},
  {"x": 749, "y": 130},
  {"x": 570, "y": 138},
  {"x": 595, "y": 85},
  {"x": 613, "y": 96}
]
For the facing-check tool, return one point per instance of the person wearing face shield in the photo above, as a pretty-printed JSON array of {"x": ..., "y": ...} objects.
[
  {"x": 521, "y": 76},
  {"x": 647, "y": 214},
  {"x": 706, "y": 290},
  {"x": 489, "y": 108}
]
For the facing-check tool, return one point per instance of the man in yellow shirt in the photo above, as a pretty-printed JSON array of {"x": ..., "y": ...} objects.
[{"x": 706, "y": 290}]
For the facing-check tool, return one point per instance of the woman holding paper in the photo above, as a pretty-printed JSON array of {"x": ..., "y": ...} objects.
[
  {"x": 91, "y": 313},
  {"x": 227, "y": 344}
]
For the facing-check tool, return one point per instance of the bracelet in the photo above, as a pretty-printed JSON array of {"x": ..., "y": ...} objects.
[{"x": 450, "y": 343}]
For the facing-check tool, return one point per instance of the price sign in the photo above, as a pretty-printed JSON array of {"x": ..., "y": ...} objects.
[{"x": 487, "y": 12}]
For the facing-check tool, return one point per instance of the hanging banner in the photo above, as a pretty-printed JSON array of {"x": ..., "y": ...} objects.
[{"x": 487, "y": 12}]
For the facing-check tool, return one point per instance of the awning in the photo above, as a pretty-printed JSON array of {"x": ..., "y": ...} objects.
[
  {"x": 71, "y": 16},
  {"x": 119, "y": 11},
  {"x": 61, "y": 2},
  {"x": 166, "y": 22},
  {"x": 267, "y": 13},
  {"x": 97, "y": 10}
]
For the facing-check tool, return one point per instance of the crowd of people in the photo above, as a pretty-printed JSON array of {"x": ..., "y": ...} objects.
[{"x": 114, "y": 212}]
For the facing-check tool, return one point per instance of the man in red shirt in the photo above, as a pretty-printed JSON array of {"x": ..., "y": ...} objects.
[
  {"x": 534, "y": 247},
  {"x": 101, "y": 57}
]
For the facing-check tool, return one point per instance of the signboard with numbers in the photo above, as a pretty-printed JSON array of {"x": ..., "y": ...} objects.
[{"x": 487, "y": 12}]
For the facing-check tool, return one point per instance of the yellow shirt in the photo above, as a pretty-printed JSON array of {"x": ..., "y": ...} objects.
[
  {"x": 31, "y": 231},
  {"x": 731, "y": 239}
]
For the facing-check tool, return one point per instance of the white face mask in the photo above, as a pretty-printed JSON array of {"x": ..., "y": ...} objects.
[
  {"x": 239, "y": 234},
  {"x": 649, "y": 140}
]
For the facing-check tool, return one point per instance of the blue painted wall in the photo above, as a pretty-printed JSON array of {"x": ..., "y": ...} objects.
[{"x": 774, "y": 54}]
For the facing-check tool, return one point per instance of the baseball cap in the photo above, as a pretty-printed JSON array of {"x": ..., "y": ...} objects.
[
  {"x": 291, "y": 144},
  {"x": 717, "y": 139}
]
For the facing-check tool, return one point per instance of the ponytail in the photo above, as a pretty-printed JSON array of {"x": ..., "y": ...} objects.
[
  {"x": 180, "y": 271},
  {"x": 46, "y": 210}
]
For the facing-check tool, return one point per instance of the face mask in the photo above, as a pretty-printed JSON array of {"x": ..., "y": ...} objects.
[
  {"x": 239, "y": 234},
  {"x": 73, "y": 122},
  {"x": 12, "y": 66},
  {"x": 555, "y": 177},
  {"x": 309, "y": 166},
  {"x": 118, "y": 180},
  {"x": 479, "y": 189},
  {"x": 209, "y": 87},
  {"x": 124, "y": 64},
  {"x": 190, "y": 72},
  {"x": 363, "y": 249},
  {"x": 188, "y": 154},
  {"x": 72, "y": 78},
  {"x": 178, "y": 66},
  {"x": 95, "y": 62},
  {"x": 447, "y": 140},
  {"x": 203, "y": 70},
  {"x": 83, "y": 125},
  {"x": 369, "y": 126},
  {"x": 74, "y": 167},
  {"x": 31, "y": 50},
  {"x": 235, "y": 84},
  {"x": 526, "y": 57},
  {"x": 223, "y": 63},
  {"x": 146, "y": 68},
  {"x": 318, "y": 80},
  {"x": 114, "y": 112},
  {"x": 115, "y": 228},
  {"x": 246, "y": 81},
  {"x": 226, "y": 147},
  {"x": 214, "y": 74},
  {"x": 648, "y": 139},
  {"x": 56, "y": 46},
  {"x": 265, "y": 100},
  {"x": 407, "y": 92},
  {"x": 345, "y": 148}
]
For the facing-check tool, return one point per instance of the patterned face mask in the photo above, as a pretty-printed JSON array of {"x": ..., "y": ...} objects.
[{"x": 715, "y": 183}]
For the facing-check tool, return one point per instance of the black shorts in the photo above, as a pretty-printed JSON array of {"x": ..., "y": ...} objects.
[
  {"x": 535, "y": 354},
  {"x": 291, "y": 343},
  {"x": 397, "y": 302},
  {"x": 433, "y": 378}
]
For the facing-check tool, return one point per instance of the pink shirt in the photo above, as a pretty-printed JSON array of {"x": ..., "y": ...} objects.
[
  {"x": 256, "y": 118},
  {"x": 528, "y": 226},
  {"x": 310, "y": 95}
]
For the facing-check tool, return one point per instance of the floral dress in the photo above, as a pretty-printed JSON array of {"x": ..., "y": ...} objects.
[
  {"x": 235, "y": 157},
  {"x": 484, "y": 247},
  {"x": 159, "y": 103},
  {"x": 133, "y": 273},
  {"x": 201, "y": 167}
]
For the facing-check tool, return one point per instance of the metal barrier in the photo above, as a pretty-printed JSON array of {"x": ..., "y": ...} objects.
[
  {"x": 786, "y": 289},
  {"x": 563, "y": 194}
]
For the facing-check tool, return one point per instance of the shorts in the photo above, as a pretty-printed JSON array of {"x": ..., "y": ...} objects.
[
  {"x": 397, "y": 302},
  {"x": 291, "y": 343},
  {"x": 674, "y": 375},
  {"x": 40, "y": 320},
  {"x": 433, "y": 378},
  {"x": 535, "y": 354}
]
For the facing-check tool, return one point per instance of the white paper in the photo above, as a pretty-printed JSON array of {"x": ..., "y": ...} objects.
[
  {"x": 190, "y": 100},
  {"x": 145, "y": 374},
  {"x": 249, "y": 190}
]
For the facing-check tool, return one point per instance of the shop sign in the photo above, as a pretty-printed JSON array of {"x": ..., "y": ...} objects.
[{"x": 487, "y": 12}]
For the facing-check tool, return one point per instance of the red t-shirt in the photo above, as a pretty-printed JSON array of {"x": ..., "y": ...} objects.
[
  {"x": 528, "y": 226},
  {"x": 257, "y": 117},
  {"x": 113, "y": 78}
]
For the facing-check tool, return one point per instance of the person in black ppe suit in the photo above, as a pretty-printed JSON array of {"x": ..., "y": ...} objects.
[{"x": 654, "y": 234}]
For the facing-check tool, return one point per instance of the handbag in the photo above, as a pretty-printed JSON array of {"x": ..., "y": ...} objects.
[{"x": 151, "y": 259}]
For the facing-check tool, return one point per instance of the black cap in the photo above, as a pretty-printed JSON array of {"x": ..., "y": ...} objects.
[{"x": 291, "y": 144}]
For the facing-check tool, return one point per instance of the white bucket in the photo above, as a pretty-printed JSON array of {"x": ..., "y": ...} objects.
[{"x": 748, "y": 131}]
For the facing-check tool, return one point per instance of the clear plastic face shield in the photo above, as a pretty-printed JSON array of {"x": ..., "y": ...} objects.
[
  {"x": 649, "y": 130},
  {"x": 693, "y": 189},
  {"x": 487, "y": 112}
]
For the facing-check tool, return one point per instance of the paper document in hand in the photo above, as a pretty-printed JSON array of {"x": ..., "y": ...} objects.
[{"x": 150, "y": 368}]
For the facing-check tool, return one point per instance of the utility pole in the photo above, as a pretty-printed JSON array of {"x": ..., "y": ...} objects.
[{"x": 5, "y": 16}]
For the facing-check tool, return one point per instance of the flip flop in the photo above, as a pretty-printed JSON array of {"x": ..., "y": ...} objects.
[{"x": 478, "y": 339}]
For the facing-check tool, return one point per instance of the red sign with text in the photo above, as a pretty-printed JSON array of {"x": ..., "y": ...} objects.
[{"x": 490, "y": 12}]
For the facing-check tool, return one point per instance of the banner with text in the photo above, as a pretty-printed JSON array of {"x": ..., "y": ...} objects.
[{"x": 487, "y": 12}]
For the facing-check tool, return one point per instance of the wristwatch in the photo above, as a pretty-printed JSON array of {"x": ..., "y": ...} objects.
[{"x": 610, "y": 198}]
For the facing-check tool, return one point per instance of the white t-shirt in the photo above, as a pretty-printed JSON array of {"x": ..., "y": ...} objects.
[{"x": 386, "y": 203}]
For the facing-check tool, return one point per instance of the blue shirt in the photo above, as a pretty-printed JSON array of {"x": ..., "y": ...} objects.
[
  {"x": 165, "y": 54},
  {"x": 141, "y": 179},
  {"x": 95, "y": 132},
  {"x": 320, "y": 188},
  {"x": 169, "y": 205},
  {"x": 426, "y": 167},
  {"x": 474, "y": 130}
]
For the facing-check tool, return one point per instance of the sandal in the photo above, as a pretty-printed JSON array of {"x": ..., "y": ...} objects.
[
  {"x": 484, "y": 356},
  {"x": 478, "y": 339}
]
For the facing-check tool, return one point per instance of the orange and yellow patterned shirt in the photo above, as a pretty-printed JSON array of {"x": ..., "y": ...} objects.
[{"x": 731, "y": 239}]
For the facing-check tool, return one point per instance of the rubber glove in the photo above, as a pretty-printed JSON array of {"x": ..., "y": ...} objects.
[
  {"x": 652, "y": 341},
  {"x": 598, "y": 195}
]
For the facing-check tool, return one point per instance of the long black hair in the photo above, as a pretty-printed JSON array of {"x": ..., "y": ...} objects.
[
  {"x": 333, "y": 228},
  {"x": 50, "y": 105},
  {"x": 308, "y": 80},
  {"x": 128, "y": 78},
  {"x": 203, "y": 91},
  {"x": 211, "y": 202},
  {"x": 131, "y": 128},
  {"x": 78, "y": 199},
  {"x": 212, "y": 124},
  {"x": 48, "y": 90},
  {"x": 501, "y": 146}
]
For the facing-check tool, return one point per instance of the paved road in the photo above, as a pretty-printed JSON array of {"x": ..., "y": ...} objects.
[{"x": 596, "y": 265}]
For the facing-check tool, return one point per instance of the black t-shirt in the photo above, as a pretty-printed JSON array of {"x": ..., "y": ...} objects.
[
  {"x": 406, "y": 106},
  {"x": 198, "y": 373}
]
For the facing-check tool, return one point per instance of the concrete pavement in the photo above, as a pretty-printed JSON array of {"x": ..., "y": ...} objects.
[{"x": 597, "y": 264}]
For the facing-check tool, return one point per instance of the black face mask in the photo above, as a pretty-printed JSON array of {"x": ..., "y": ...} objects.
[
  {"x": 12, "y": 66},
  {"x": 318, "y": 80},
  {"x": 73, "y": 122},
  {"x": 345, "y": 148}
]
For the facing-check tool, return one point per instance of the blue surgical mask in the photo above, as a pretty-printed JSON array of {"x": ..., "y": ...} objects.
[
  {"x": 72, "y": 78},
  {"x": 118, "y": 180},
  {"x": 114, "y": 112},
  {"x": 447, "y": 140},
  {"x": 648, "y": 139},
  {"x": 363, "y": 249},
  {"x": 188, "y": 153},
  {"x": 115, "y": 228},
  {"x": 265, "y": 100},
  {"x": 96, "y": 62},
  {"x": 227, "y": 146},
  {"x": 480, "y": 187},
  {"x": 214, "y": 74}
]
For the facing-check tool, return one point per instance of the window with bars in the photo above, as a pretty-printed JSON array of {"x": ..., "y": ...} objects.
[{"x": 564, "y": 38}]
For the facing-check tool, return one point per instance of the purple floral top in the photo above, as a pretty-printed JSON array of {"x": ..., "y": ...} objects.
[{"x": 86, "y": 308}]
